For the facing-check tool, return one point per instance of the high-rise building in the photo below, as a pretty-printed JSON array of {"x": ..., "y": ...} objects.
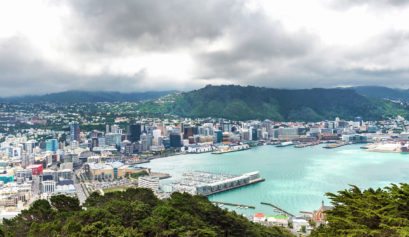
[
  {"x": 175, "y": 140},
  {"x": 144, "y": 142},
  {"x": 75, "y": 131},
  {"x": 218, "y": 136},
  {"x": 135, "y": 131},
  {"x": 29, "y": 146},
  {"x": 51, "y": 145},
  {"x": 113, "y": 139}
]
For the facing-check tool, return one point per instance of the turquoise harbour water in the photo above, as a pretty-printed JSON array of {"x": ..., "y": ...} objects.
[{"x": 296, "y": 178}]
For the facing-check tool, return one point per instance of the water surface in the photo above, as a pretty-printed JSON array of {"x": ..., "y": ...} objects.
[{"x": 296, "y": 178}]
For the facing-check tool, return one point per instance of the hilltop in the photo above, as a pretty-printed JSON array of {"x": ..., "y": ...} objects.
[
  {"x": 245, "y": 103},
  {"x": 88, "y": 97}
]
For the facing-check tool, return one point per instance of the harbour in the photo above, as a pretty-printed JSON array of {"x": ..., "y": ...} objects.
[{"x": 295, "y": 179}]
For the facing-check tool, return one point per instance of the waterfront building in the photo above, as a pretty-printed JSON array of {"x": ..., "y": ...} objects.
[
  {"x": 175, "y": 140},
  {"x": 218, "y": 136},
  {"x": 188, "y": 131},
  {"x": 253, "y": 134},
  {"x": 259, "y": 217},
  {"x": 149, "y": 182},
  {"x": 354, "y": 138}
]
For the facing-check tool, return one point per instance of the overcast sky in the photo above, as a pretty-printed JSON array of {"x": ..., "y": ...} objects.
[{"x": 134, "y": 45}]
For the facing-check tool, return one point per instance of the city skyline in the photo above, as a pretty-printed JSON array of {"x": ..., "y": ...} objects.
[{"x": 48, "y": 47}]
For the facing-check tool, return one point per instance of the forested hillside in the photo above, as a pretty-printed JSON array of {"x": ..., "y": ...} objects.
[
  {"x": 244, "y": 103},
  {"x": 134, "y": 212}
]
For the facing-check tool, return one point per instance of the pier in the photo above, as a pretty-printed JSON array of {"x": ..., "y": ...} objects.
[
  {"x": 234, "y": 204},
  {"x": 205, "y": 183},
  {"x": 278, "y": 209}
]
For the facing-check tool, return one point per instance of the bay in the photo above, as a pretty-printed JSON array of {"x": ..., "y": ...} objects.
[{"x": 296, "y": 178}]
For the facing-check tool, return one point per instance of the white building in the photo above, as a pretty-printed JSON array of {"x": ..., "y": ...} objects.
[
  {"x": 149, "y": 182},
  {"x": 48, "y": 186}
]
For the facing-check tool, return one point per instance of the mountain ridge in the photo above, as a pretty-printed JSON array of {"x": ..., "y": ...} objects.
[
  {"x": 246, "y": 103},
  {"x": 78, "y": 96}
]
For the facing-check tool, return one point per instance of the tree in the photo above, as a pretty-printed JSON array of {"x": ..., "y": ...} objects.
[
  {"x": 65, "y": 203},
  {"x": 134, "y": 212},
  {"x": 371, "y": 212}
]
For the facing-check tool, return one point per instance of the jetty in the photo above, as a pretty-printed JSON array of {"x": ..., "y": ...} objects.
[
  {"x": 234, "y": 205},
  {"x": 278, "y": 209}
]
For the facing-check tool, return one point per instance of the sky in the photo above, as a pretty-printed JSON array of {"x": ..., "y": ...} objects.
[{"x": 134, "y": 45}]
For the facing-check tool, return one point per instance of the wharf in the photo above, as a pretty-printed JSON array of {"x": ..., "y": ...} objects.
[
  {"x": 205, "y": 183},
  {"x": 234, "y": 205},
  {"x": 219, "y": 152},
  {"x": 278, "y": 209},
  {"x": 303, "y": 145},
  {"x": 238, "y": 186}
]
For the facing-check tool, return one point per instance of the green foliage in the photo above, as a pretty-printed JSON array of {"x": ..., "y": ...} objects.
[
  {"x": 368, "y": 213},
  {"x": 65, "y": 204},
  {"x": 138, "y": 174},
  {"x": 134, "y": 212},
  {"x": 245, "y": 103}
]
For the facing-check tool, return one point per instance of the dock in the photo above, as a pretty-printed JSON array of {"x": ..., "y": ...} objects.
[
  {"x": 278, "y": 209},
  {"x": 206, "y": 183},
  {"x": 234, "y": 205},
  {"x": 223, "y": 150}
]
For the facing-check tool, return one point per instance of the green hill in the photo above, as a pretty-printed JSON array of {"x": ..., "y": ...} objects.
[
  {"x": 245, "y": 103},
  {"x": 383, "y": 92},
  {"x": 134, "y": 212},
  {"x": 88, "y": 97}
]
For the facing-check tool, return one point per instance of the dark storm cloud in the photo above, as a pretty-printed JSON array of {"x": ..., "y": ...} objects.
[
  {"x": 23, "y": 71},
  {"x": 380, "y": 61},
  {"x": 151, "y": 25},
  {"x": 259, "y": 49},
  {"x": 258, "y": 45}
]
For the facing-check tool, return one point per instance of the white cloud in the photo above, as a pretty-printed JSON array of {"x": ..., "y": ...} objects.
[{"x": 183, "y": 44}]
